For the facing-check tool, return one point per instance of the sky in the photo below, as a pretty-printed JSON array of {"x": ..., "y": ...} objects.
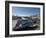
[{"x": 25, "y": 11}]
